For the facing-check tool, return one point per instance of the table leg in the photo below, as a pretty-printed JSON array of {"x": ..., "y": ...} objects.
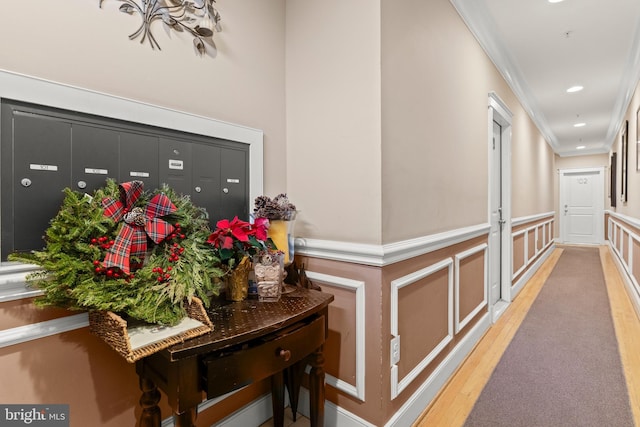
[
  {"x": 293, "y": 380},
  {"x": 150, "y": 416},
  {"x": 185, "y": 419},
  {"x": 277, "y": 398},
  {"x": 316, "y": 388}
]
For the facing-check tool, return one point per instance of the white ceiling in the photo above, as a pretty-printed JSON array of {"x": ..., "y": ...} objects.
[{"x": 543, "y": 48}]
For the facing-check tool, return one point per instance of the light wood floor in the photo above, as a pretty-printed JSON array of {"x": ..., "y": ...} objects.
[{"x": 455, "y": 401}]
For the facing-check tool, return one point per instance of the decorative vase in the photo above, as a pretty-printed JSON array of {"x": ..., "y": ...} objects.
[
  {"x": 281, "y": 233},
  {"x": 237, "y": 281},
  {"x": 268, "y": 268}
]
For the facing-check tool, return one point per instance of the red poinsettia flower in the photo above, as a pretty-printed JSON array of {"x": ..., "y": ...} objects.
[
  {"x": 236, "y": 239},
  {"x": 261, "y": 225}
]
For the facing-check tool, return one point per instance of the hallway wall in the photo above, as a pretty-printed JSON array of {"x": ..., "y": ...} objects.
[
  {"x": 622, "y": 224},
  {"x": 630, "y": 208},
  {"x": 375, "y": 123}
]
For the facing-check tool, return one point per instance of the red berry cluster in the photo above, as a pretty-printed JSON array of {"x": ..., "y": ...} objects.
[
  {"x": 176, "y": 249},
  {"x": 177, "y": 232},
  {"x": 111, "y": 272},
  {"x": 103, "y": 242},
  {"x": 163, "y": 275}
]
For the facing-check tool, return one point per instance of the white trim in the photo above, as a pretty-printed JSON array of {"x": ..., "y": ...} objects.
[
  {"x": 525, "y": 219},
  {"x": 15, "y": 290},
  {"x": 500, "y": 107},
  {"x": 397, "y": 385},
  {"x": 358, "y": 287},
  {"x": 460, "y": 324},
  {"x": 261, "y": 410},
  {"x": 253, "y": 413},
  {"x": 383, "y": 255},
  {"x": 13, "y": 285},
  {"x": 333, "y": 415},
  {"x": 34, "y": 331},
  {"x": 629, "y": 220}
]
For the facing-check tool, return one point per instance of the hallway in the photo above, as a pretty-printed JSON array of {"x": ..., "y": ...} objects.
[{"x": 457, "y": 399}]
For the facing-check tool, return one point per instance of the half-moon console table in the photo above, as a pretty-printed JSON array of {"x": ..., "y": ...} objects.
[{"x": 251, "y": 341}]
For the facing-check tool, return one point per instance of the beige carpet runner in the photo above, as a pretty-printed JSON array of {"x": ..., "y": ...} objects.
[{"x": 562, "y": 367}]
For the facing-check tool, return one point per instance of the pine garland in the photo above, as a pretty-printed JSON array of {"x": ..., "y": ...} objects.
[{"x": 178, "y": 268}]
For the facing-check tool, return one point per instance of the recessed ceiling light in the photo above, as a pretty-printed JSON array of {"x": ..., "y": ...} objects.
[
  {"x": 581, "y": 147},
  {"x": 555, "y": 1},
  {"x": 573, "y": 89},
  {"x": 579, "y": 125}
]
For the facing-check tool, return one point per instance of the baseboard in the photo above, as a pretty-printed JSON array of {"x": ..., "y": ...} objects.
[
  {"x": 253, "y": 414},
  {"x": 260, "y": 410}
]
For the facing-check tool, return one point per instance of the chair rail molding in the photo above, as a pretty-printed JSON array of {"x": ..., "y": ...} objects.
[{"x": 383, "y": 255}]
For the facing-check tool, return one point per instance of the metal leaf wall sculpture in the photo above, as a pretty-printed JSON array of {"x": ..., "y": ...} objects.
[{"x": 198, "y": 17}]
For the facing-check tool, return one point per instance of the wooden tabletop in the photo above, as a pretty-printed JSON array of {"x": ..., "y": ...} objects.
[{"x": 242, "y": 321}]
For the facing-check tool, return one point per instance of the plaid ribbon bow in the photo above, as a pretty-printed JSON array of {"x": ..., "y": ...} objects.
[{"x": 138, "y": 223}]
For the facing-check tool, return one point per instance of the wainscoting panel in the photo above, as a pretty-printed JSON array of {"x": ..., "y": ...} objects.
[
  {"x": 626, "y": 246},
  {"x": 529, "y": 241},
  {"x": 355, "y": 309},
  {"x": 417, "y": 284},
  {"x": 623, "y": 233},
  {"x": 519, "y": 250},
  {"x": 467, "y": 265}
]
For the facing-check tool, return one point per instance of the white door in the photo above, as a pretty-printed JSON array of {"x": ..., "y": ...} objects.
[
  {"x": 497, "y": 221},
  {"x": 499, "y": 257},
  {"x": 582, "y": 206}
]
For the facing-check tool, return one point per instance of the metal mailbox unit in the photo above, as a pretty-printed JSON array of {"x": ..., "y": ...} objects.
[{"x": 43, "y": 150}]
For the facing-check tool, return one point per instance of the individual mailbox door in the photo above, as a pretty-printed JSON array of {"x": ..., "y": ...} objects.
[
  {"x": 139, "y": 159},
  {"x": 175, "y": 165},
  {"x": 206, "y": 180},
  {"x": 234, "y": 175},
  {"x": 41, "y": 169},
  {"x": 94, "y": 157}
]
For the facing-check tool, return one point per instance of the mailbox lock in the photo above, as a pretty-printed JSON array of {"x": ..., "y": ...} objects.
[
  {"x": 26, "y": 182},
  {"x": 225, "y": 190},
  {"x": 82, "y": 185},
  {"x": 198, "y": 189}
]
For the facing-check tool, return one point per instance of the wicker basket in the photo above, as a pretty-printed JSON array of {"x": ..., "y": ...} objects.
[{"x": 115, "y": 331}]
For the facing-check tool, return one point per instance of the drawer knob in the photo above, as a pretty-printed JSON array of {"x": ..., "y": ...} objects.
[{"x": 285, "y": 354}]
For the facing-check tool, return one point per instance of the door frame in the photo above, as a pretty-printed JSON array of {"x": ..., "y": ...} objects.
[
  {"x": 500, "y": 113},
  {"x": 600, "y": 200}
]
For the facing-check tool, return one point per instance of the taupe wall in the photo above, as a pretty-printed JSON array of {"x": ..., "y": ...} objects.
[
  {"x": 375, "y": 122},
  {"x": 333, "y": 118},
  {"x": 435, "y": 83},
  {"x": 397, "y": 134},
  {"x": 632, "y": 206}
]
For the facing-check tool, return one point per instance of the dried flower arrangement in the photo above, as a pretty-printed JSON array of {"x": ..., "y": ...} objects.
[{"x": 277, "y": 208}]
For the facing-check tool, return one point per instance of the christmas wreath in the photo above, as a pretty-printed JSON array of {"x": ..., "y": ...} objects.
[{"x": 141, "y": 254}]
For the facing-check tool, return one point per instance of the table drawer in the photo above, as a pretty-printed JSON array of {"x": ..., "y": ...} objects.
[{"x": 261, "y": 358}]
